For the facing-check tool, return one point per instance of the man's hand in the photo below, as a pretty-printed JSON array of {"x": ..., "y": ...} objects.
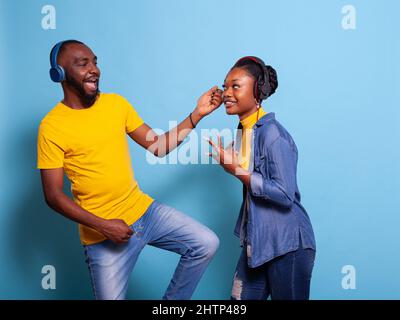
[
  {"x": 207, "y": 103},
  {"x": 116, "y": 230},
  {"x": 160, "y": 145}
]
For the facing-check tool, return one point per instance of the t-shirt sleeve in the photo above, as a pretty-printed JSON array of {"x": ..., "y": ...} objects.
[
  {"x": 50, "y": 148},
  {"x": 133, "y": 120}
]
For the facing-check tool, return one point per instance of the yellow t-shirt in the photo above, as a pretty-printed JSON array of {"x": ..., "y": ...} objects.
[
  {"x": 92, "y": 146},
  {"x": 247, "y": 134}
]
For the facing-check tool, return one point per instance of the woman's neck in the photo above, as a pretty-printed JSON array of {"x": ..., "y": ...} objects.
[{"x": 245, "y": 115}]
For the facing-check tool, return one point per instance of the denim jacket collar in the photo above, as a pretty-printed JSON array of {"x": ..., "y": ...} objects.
[{"x": 269, "y": 116}]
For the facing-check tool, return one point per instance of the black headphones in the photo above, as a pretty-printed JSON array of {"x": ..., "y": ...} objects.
[{"x": 262, "y": 88}]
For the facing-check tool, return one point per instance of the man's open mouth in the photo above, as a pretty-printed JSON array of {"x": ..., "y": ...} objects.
[{"x": 91, "y": 84}]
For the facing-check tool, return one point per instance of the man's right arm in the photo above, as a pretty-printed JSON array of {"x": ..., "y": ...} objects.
[{"x": 52, "y": 181}]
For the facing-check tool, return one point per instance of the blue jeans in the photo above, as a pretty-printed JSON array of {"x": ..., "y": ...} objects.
[
  {"x": 286, "y": 277},
  {"x": 111, "y": 264}
]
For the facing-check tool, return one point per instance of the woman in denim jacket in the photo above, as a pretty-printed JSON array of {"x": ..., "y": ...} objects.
[{"x": 275, "y": 231}]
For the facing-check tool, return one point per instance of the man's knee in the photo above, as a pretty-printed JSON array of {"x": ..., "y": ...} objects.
[{"x": 209, "y": 244}]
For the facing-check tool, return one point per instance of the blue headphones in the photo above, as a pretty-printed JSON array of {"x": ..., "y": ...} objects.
[{"x": 57, "y": 73}]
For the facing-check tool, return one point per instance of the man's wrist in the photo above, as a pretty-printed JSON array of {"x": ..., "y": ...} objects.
[
  {"x": 99, "y": 224},
  {"x": 196, "y": 117}
]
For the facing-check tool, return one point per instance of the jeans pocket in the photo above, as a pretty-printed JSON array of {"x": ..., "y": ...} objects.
[{"x": 137, "y": 227}]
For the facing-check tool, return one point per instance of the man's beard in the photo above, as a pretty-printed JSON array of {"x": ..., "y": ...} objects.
[{"x": 88, "y": 98}]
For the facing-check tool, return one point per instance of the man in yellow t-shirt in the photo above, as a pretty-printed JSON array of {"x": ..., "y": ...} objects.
[{"x": 85, "y": 136}]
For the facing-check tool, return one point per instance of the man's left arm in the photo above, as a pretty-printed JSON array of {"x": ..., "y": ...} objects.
[{"x": 161, "y": 145}]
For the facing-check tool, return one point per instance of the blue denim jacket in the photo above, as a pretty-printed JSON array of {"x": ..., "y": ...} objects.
[{"x": 272, "y": 220}]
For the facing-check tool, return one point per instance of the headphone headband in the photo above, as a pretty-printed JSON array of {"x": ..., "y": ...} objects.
[{"x": 54, "y": 54}]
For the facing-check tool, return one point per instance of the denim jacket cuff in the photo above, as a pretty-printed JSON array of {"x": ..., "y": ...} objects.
[{"x": 256, "y": 184}]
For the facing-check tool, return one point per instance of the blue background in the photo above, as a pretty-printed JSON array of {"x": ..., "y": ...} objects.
[{"x": 337, "y": 95}]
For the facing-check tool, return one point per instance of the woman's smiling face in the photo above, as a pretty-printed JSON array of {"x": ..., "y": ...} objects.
[{"x": 238, "y": 93}]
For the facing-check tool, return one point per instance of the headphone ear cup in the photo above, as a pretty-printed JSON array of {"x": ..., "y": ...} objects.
[
  {"x": 61, "y": 73},
  {"x": 263, "y": 86},
  {"x": 57, "y": 74},
  {"x": 256, "y": 90},
  {"x": 260, "y": 89}
]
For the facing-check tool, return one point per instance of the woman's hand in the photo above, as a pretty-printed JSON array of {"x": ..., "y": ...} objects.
[
  {"x": 229, "y": 160},
  {"x": 207, "y": 103}
]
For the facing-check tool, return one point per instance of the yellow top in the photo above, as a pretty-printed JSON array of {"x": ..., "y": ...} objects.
[
  {"x": 92, "y": 146},
  {"x": 247, "y": 134}
]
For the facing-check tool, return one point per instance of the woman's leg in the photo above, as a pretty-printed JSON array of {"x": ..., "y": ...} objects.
[
  {"x": 249, "y": 283},
  {"x": 289, "y": 275}
]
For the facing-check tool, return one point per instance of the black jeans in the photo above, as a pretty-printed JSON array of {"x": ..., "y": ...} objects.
[{"x": 286, "y": 277}]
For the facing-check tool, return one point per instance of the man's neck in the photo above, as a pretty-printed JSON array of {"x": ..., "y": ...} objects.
[{"x": 77, "y": 101}]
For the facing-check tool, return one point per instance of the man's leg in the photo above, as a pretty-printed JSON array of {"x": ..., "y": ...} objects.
[
  {"x": 249, "y": 283},
  {"x": 111, "y": 264},
  {"x": 196, "y": 244}
]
